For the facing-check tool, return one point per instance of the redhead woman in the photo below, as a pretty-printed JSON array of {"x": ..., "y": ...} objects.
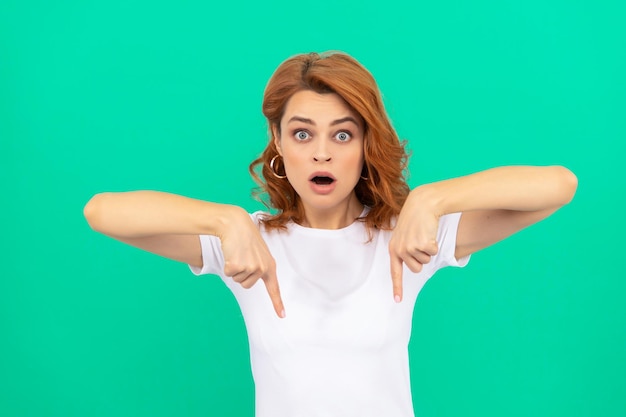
[{"x": 346, "y": 248}]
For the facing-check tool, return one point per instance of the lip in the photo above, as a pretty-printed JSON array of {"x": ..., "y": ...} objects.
[
  {"x": 322, "y": 174},
  {"x": 322, "y": 189}
]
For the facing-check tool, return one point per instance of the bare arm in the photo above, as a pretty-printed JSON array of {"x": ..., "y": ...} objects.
[
  {"x": 169, "y": 225},
  {"x": 495, "y": 204},
  {"x": 499, "y": 202},
  {"x": 161, "y": 223}
]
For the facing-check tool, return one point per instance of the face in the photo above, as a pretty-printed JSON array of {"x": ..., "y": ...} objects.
[{"x": 321, "y": 142}]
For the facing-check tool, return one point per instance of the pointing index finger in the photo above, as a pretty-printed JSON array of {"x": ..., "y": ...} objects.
[
  {"x": 271, "y": 284},
  {"x": 396, "y": 277}
]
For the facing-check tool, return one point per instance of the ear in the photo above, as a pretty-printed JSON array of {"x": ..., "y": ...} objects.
[{"x": 276, "y": 137}]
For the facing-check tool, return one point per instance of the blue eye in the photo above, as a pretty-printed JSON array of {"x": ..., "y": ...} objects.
[
  {"x": 343, "y": 136},
  {"x": 302, "y": 135}
]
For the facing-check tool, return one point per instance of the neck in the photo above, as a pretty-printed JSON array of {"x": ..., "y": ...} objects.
[{"x": 333, "y": 218}]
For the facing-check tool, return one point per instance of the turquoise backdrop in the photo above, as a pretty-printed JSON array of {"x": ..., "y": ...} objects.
[{"x": 125, "y": 95}]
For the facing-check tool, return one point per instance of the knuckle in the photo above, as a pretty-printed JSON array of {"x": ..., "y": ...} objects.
[
  {"x": 400, "y": 251},
  {"x": 416, "y": 248},
  {"x": 434, "y": 247},
  {"x": 232, "y": 268}
]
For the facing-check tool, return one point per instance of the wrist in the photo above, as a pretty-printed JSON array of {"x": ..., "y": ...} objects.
[
  {"x": 428, "y": 197},
  {"x": 224, "y": 217}
]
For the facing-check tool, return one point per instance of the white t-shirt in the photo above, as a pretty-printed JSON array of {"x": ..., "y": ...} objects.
[{"x": 342, "y": 350}]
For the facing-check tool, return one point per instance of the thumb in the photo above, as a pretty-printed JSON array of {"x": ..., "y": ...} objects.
[
  {"x": 396, "y": 277},
  {"x": 271, "y": 284}
]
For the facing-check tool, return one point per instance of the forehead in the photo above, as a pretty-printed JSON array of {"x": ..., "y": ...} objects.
[{"x": 321, "y": 108}]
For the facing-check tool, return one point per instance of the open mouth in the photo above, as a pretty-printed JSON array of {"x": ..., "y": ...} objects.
[{"x": 322, "y": 180}]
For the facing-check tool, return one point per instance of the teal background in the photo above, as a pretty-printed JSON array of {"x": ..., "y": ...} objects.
[{"x": 123, "y": 95}]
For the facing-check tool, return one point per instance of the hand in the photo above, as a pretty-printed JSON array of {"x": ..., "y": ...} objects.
[
  {"x": 247, "y": 258},
  {"x": 413, "y": 240}
]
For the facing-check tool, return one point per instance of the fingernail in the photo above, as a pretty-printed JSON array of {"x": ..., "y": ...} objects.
[
  {"x": 397, "y": 298},
  {"x": 282, "y": 314}
]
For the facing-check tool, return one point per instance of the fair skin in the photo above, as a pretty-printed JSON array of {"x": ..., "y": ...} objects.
[
  {"x": 321, "y": 136},
  {"x": 495, "y": 203}
]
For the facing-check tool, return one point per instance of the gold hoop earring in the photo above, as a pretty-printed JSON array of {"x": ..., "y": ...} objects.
[
  {"x": 272, "y": 168},
  {"x": 364, "y": 178}
]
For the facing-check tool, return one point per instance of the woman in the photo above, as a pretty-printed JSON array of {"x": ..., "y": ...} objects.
[{"x": 350, "y": 245}]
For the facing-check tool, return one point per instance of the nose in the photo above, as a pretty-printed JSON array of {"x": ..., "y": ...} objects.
[{"x": 321, "y": 152}]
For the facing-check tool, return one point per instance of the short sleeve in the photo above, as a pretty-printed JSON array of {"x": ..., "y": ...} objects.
[
  {"x": 212, "y": 256},
  {"x": 446, "y": 237}
]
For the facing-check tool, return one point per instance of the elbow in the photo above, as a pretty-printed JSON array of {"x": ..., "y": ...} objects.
[
  {"x": 567, "y": 184},
  {"x": 93, "y": 211}
]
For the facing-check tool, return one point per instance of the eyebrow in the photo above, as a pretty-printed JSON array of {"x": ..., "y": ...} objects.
[{"x": 333, "y": 123}]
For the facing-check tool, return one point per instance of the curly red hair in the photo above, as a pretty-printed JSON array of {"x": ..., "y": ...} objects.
[{"x": 385, "y": 157}]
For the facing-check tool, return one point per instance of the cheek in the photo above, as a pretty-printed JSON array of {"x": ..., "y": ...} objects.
[
  {"x": 357, "y": 161},
  {"x": 293, "y": 163}
]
